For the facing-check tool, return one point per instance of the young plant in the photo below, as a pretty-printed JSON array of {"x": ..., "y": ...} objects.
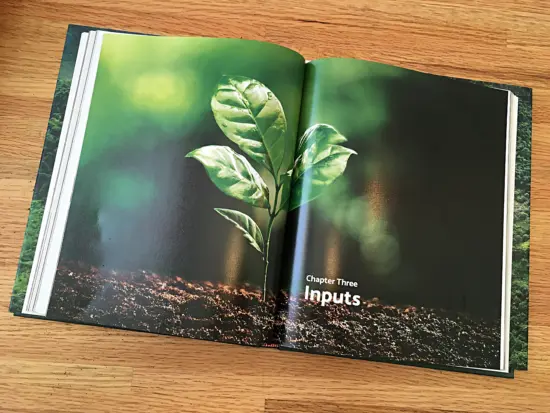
[{"x": 251, "y": 116}]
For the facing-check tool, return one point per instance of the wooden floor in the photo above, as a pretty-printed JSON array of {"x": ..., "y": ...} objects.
[{"x": 55, "y": 367}]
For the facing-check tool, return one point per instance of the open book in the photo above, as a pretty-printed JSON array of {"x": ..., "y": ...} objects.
[{"x": 228, "y": 190}]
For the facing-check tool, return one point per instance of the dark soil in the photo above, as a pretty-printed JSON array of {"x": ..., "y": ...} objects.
[
  {"x": 149, "y": 302},
  {"x": 406, "y": 334}
]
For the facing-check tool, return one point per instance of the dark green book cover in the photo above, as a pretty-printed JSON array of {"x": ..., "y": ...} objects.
[{"x": 217, "y": 174}]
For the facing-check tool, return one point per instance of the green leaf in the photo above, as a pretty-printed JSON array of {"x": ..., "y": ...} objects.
[
  {"x": 320, "y": 134},
  {"x": 250, "y": 115},
  {"x": 244, "y": 223},
  {"x": 233, "y": 174},
  {"x": 320, "y": 160}
]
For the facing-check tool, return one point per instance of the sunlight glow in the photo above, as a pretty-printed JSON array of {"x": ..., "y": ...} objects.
[{"x": 160, "y": 92}]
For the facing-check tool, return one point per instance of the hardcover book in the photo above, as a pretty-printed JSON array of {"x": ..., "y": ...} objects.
[{"x": 228, "y": 190}]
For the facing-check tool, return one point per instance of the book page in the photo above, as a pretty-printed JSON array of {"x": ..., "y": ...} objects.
[
  {"x": 177, "y": 214},
  {"x": 399, "y": 218}
]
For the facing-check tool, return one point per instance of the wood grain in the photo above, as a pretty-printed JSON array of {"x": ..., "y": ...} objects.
[{"x": 56, "y": 367}]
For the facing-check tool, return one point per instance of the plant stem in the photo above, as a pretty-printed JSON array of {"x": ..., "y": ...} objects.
[{"x": 272, "y": 215}]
